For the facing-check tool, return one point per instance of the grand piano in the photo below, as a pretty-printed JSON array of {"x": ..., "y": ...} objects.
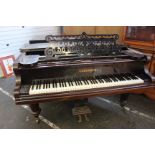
[{"x": 69, "y": 67}]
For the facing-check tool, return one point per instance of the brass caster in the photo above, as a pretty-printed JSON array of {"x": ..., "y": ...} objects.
[{"x": 37, "y": 120}]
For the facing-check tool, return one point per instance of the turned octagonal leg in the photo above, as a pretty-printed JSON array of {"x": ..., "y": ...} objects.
[
  {"x": 123, "y": 99},
  {"x": 35, "y": 111}
]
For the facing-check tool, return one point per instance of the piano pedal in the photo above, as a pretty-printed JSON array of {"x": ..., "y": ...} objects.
[
  {"x": 79, "y": 118},
  {"x": 80, "y": 112},
  {"x": 86, "y": 118}
]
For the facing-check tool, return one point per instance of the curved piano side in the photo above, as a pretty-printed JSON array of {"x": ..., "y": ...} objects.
[
  {"x": 151, "y": 65},
  {"x": 149, "y": 69},
  {"x": 18, "y": 80}
]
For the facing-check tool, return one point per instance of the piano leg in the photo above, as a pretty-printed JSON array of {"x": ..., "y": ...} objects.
[
  {"x": 35, "y": 111},
  {"x": 123, "y": 99}
]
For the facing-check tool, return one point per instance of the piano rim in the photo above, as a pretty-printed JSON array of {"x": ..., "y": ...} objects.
[{"x": 27, "y": 99}]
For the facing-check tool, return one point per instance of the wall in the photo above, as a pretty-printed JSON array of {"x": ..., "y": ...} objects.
[
  {"x": 111, "y": 29},
  {"x": 12, "y": 38},
  {"x": 79, "y": 29}
]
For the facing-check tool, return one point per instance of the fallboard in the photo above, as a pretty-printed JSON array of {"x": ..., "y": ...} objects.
[{"x": 28, "y": 75}]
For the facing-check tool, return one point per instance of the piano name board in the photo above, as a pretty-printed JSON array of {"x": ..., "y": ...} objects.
[{"x": 87, "y": 70}]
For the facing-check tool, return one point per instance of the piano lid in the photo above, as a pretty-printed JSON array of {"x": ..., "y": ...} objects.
[{"x": 35, "y": 46}]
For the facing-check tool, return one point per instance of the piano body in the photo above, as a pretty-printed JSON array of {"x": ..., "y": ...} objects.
[{"x": 70, "y": 67}]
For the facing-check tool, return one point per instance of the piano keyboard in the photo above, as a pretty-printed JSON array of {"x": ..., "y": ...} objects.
[{"x": 44, "y": 86}]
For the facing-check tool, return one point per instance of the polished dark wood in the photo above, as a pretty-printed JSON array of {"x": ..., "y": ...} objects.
[{"x": 127, "y": 61}]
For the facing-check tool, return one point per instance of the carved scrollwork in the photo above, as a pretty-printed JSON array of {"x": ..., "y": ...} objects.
[{"x": 83, "y": 44}]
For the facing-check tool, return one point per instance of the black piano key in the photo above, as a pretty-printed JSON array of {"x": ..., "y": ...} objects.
[
  {"x": 65, "y": 83},
  {"x": 33, "y": 83},
  {"x": 81, "y": 81},
  {"x": 126, "y": 76},
  {"x": 91, "y": 80},
  {"x": 48, "y": 83},
  {"x": 53, "y": 82},
  {"x": 119, "y": 77},
  {"x": 97, "y": 78},
  {"x": 44, "y": 84},
  {"x": 37, "y": 85},
  {"x": 94, "y": 80},
  {"x": 78, "y": 82},
  {"x": 87, "y": 81},
  {"x": 84, "y": 80},
  {"x": 62, "y": 85},
  {"x": 56, "y": 84},
  {"x": 134, "y": 77},
  {"x": 72, "y": 82},
  {"x": 75, "y": 82},
  {"x": 105, "y": 78},
  {"x": 129, "y": 77},
  {"x": 101, "y": 79},
  {"x": 69, "y": 82},
  {"x": 113, "y": 78},
  {"x": 108, "y": 78}
]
